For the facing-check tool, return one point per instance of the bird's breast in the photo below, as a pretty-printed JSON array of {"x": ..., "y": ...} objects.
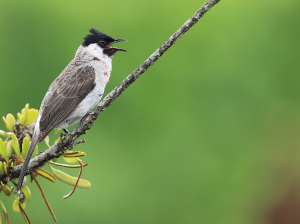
[{"x": 102, "y": 75}]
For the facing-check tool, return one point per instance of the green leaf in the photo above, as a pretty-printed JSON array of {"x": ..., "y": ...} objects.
[
  {"x": 45, "y": 174},
  {"x": 9, "y": 148},
  {"x": 9, "y": 121},
  {"x": 2, "y": 168},
  {"x": 26, "y": 192},
  {"x": 55, "y": 159},
  {"x": 3, "y": 133},
  {"x": 69, "y": 166},
  {"x": 31, "y": 116},
  {"x": 70, "y": 159},
  {"x": 15, "y": 144},
  {"x": 66, "y": 178},
  {"x": 22, "y": 119},
  {"x": 47, "y": 139},
  {"x": 3, "y": 151},
  {"x": 16, "y": 205},
  {"x": 25, "y": 146},
  {"x": 5, "y": 213},
  {"x": 19, "y": 116},
  {"x": 5, "y": 168},
  {"x": 24, "y": 181},
  {"x": 7, "y": 191},
  {"x": 74, "y": 154}
]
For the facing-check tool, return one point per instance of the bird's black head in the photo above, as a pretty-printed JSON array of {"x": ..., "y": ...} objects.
[{"x": 102, "y": 40}]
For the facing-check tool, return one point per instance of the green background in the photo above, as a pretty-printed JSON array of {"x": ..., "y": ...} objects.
[{"x": 209, "y": 134}]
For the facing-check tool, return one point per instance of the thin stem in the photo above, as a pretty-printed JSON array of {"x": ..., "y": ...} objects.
[
  {"x": 44, "y": 197},
  {"x": 81, "y": 168}
]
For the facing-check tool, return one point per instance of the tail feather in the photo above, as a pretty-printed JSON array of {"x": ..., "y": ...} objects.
[{"x": 26, "y": 162}]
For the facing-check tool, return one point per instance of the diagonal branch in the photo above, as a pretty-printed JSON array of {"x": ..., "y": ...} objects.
[{"x": 68, "y": 142}]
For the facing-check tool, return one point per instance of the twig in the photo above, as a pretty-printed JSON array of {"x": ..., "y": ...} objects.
[
  {"x": 79, "y": 142},
  {"x": 44, "y": 197},
  {"x": 68, "y": 142},
  {"x": 81, "y": 168}
]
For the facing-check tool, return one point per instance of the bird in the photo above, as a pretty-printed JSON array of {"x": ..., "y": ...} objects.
[{"x": 75, "y": 92}]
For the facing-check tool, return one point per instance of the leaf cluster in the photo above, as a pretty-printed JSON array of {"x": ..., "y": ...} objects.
[{"x": 13, "y": 151}]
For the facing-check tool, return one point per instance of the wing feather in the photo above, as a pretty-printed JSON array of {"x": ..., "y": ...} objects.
[{"x": 72, "y": 87}]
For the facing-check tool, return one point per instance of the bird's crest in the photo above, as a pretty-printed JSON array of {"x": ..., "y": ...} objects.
[{"x": 95, "y": 37}]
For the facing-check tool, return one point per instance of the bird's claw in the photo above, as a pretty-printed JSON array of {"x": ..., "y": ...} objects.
[{"x": 64, "y": 134}]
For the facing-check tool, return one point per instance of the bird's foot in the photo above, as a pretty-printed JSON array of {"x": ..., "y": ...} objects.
[{"x": 64, "y": 134}]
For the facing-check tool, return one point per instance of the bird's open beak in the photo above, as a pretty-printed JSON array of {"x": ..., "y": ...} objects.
[{"x": 115, "y": 48}]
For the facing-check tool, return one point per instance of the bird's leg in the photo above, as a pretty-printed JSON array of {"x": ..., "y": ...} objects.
[{"x": 64, "y": 134}]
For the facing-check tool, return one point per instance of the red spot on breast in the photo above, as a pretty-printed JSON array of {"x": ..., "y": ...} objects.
[{"x": 106, "y": 74}]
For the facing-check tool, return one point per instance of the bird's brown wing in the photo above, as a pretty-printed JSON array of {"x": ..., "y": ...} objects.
[{"x": 72, "y": 87}]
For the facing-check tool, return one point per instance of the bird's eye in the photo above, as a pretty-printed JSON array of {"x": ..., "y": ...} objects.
[{"x": 102, "y": 42}]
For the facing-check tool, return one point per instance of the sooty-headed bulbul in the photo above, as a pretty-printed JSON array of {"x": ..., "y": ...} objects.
[{"x": 75, "y": 92}]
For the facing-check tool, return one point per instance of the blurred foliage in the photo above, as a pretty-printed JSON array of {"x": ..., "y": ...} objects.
[
  {"x": 209, "y": 134},
  {"x": 13, "y": 152}
]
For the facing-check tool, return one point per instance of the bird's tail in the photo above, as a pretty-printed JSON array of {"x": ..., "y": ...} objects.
[{"x": 26, "y": 162}]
